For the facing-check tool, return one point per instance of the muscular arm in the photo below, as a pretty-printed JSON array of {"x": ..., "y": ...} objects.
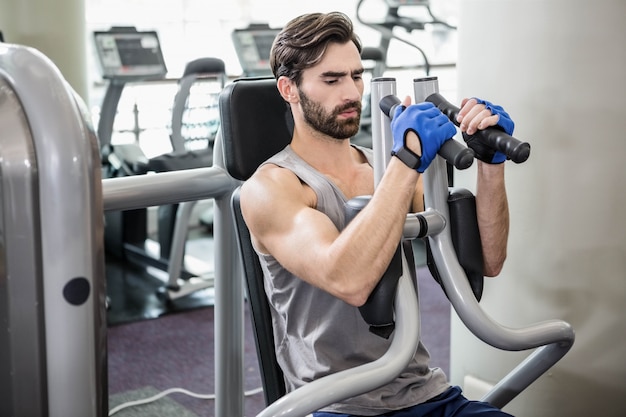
[
  {"x": 491, "y": 201},
  {"x": 347, "y": 264},
  {"x": 493, "y": 216}
]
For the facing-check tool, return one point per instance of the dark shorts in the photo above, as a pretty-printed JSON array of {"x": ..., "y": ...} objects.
[{"x": 450, "y": 403}]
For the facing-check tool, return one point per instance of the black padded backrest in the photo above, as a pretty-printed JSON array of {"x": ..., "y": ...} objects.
[
  {"x": 256, "y": 124},
  {"x": 271, "y": 373}
]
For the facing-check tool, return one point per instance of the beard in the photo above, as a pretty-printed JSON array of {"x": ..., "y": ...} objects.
[{"x": 328, "y": 123}]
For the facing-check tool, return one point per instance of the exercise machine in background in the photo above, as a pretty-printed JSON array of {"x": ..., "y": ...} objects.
[
  {"x": 394, "y": 19},
  {"x": 253, "y": 45},
  {"x": 126, "y": 56},
  {"x": 130, "y": 56}
]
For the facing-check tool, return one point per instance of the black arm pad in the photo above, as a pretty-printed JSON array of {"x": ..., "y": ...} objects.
[
  {"x": 378, "y": 309},
  {"x": 465, "y": 239}
]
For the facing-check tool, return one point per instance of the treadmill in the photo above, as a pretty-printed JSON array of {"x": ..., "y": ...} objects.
[{"x": 253, "y": 45}]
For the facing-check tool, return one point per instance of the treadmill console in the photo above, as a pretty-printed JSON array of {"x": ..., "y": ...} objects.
[
  {"x": 128, "y": 54},
  {"x": 253, "y": 45}
]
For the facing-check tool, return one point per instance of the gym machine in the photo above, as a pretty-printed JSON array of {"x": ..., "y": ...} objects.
[
  {"x": 553, "y": 339},
  {"x": 52, "y": 283},
  {"x": 253, "y": 44},
  {"x": 52, "y": 288},
  {"x": 53, "y": 341},
  {"x": 393, "y": 19},
  {"x": 125, "y": 55},
  {"x": 130, "y": 56}
]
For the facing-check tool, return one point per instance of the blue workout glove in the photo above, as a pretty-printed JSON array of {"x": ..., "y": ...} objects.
[
  {"x": 482, "y": 151},
  {"x": 432, "y": 127}
]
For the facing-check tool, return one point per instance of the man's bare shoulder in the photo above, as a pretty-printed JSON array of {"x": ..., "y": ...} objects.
[
  {"x": 271, "y": 185},
  {"x": 270, "y": 178},
  {"x": 270, "y": 199}
]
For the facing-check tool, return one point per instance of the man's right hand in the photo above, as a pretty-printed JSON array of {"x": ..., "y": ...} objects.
[{"x": 431, "y": 128}]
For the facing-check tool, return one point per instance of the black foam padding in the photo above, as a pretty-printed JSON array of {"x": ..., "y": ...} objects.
[
  {"x": 271, "y": 373},
  {"x": 255, "y": 124},
  {"x": 465, "y": 239}
]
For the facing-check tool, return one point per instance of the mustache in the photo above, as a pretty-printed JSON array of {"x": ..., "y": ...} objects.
[{"x": 348, "y": 106}]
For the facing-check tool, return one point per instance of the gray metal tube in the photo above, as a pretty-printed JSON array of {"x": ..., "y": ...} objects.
[
  {"x": 381, "y": 130},
  {"x": 434, "y": 221},
  {"x": 556, "y": 333},
  {"x": 165, "y": 188},
  {"x": 229, "y": 296},
  {"x": 423, "y": 87},
  {"x": 179, "y": 239},
  {"x": 535, "y": 365},
  {"x": 23, "y": 374}
]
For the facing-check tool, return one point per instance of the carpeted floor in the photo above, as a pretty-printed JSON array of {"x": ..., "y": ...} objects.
[
  {"x": 165, "y": 406},
  {"x": 175, "y": 351}
]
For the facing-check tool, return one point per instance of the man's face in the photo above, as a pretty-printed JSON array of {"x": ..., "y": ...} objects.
[
  {"x": 330, "y": 122},
  {"x": 330, "y": 93}
]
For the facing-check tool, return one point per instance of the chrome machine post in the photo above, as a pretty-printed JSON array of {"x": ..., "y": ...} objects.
[{"x": 52, "y": 298}]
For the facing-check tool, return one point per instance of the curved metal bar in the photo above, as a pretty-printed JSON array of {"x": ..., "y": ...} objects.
[
  {"x": 555, "y": 337},
  {"x": 526, "y": 372},
  {"x": 354, "y": 381}
]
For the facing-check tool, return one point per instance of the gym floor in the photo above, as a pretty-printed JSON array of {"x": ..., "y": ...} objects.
[{"x": 138, "y": 291}]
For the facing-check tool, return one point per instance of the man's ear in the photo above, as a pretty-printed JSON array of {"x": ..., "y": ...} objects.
[{"x": 287, "y": 89}]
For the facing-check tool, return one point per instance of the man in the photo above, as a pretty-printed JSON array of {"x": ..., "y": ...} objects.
[{"x": 318, "y": 270}]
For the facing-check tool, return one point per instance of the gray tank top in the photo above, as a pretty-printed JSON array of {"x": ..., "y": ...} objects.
[{"x": 316, "y": 334}]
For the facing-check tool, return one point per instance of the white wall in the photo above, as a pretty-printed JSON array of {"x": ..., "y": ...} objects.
[
  {"x": 54, "y": 28},
  {"x": 558, "y": 67}
]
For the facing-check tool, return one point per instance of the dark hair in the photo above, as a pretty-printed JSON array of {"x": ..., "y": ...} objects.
[{"x": 302, "y": 42}]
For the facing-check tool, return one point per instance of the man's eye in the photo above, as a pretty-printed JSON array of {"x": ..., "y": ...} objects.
[{"x": 333, "y": 81}]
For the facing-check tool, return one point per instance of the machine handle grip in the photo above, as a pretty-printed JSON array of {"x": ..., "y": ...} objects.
[
  {"x": 452, "y": 151},
  {"x": 516, "y": 150}
]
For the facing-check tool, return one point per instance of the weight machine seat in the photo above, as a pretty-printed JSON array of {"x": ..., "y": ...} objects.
[{"x": 251, "y": 134}]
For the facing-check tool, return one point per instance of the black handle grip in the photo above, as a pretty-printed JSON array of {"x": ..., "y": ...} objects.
[
  {"x": 516, "y": 150},
  {"x": 452, "y": 151}
]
